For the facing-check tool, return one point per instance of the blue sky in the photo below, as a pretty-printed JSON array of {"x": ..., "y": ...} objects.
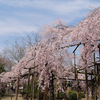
[{"x": 18, "y": 17}]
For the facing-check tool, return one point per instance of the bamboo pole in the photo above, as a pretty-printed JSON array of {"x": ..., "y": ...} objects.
[{"x": 17, "y": 87}]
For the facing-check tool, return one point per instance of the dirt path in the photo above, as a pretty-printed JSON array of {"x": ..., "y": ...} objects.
[{"x": 13, "y": 98}]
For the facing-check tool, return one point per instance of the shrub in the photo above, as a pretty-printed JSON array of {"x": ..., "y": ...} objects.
[
  {"x": 72, "y": 95},
  {"x": 3, "y": 93},
  {"x": 81, "y": 95},
  {"x": 36, "y": 91},
  {"x": 61, "y": 95}
]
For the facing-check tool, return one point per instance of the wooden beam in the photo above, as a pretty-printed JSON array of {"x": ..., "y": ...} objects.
[
  {"x": 77, "y": 47},
  {"x": 75, "y": 44}
]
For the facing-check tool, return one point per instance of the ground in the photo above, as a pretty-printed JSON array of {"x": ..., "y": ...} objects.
[
  {"x": 13, "y": 98},
  {"x": 19, "y": 97}
]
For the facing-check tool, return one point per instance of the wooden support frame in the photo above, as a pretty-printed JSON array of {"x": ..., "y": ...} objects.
[{"x": 86, "y": 74}]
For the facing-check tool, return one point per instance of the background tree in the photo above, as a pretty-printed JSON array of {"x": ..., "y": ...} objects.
[
  {"x": 6, "y": 63},
  {"x": 17, "y": 50}
]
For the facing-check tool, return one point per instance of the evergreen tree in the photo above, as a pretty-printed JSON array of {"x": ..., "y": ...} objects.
[{"x": 2, "y": 68}]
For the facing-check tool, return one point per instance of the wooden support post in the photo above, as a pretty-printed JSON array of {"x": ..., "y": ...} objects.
[
  {"x": 58, "y": 95},
  {"x": 55, "y": 86},
  {"x": 76, "y": 74},
  {"x": 86, "y": 78},
  {"x": 96, "y": 82},
  {"x": 98, "y": 76},
  {"x": 55, "y": 92},
  {"x": 31, "y": 96},
  {"x": 52, "y": 86},
  {"x": 39, "y": 94},
  {"x": 0, "y": 97},
  {"x": 28, "y": 85},
  {"x": 45, "y": 94},
  {"x": 93, "y": 87},
  {"x": 11, "y": 97},
  {"x": 92, "y": 90},
  {"x": 98, "y": 67},
  {"x": 17, "y": 87},
  {"x": 99, "y": 87},
  {"x": 32, "y": 88}
]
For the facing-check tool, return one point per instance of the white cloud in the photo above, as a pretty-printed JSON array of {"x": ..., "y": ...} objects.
[
  {"x": 14, "y": 26},
  {"x": 70, "y": 9},
  {"x": 60, "y": 7}
]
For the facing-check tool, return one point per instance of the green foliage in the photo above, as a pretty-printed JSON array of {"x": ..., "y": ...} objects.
[
  {"x": 81, "y": 95},
  {"x": 3, "y": 93},
  {"x": 36, "y": 91},
  {"x": 61, "y": 95},
  {"x": 24, "y": 92},
  {"x": 72, "y": 95},
  {"x": 2, "y": 68}
]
